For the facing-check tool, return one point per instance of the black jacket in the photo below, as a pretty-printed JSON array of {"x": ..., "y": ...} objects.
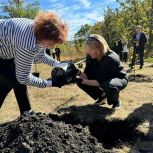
[
  {"x": 120, "y": 46},
  {"x": 57, "y": 51},
  {"x": 109, "y": 67},
  {"x": 143, "y": 39}
]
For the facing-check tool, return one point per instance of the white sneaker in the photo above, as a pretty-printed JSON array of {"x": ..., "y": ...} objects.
[{"x": 28, "y": 113}]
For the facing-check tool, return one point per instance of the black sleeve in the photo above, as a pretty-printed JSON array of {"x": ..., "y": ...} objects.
[
  {"x": 107, "y": 70},
  {"x": 87, "y": 68},
  {"x": 48, "y": 51},
  {"x": 145, "y": 38},
  {"x": 133, "y": 38}
]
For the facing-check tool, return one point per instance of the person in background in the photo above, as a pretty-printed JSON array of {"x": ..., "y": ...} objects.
[
  {"x": 139, "y": 40},
  {"x": 23, "y": 41},
  {"x": 115, "y": 47},
  {"x": 120, "y": 48},
  {"x": 58, "y": 53},
  {"x": 48, "y": 51},
  {"x": 125, "y": 50},
  {"x": 104, "y": 75},
  {"x": 53, "y": 53}
]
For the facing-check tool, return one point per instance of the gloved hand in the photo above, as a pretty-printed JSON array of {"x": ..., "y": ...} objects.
[
  {"x": 67, "y": 70},
  {"x": 58, "y": 72},
  {"x": 58, "y": 82}
]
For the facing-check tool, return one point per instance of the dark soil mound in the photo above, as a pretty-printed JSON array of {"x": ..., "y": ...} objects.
[
  {"x": 140, "y": 78},
  {"x": 40, "y": 134}
]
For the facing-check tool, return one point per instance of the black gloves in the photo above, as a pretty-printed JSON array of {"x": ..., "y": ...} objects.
[
  {"x": 58, "y": 72},
  {"x": 67, "y": 70},
  {"x": 58, "y": 82},
  {"x": 65, "y": 73}
]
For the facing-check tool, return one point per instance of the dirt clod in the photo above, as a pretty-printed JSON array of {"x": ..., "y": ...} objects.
[{"x": 140, "y": 78}]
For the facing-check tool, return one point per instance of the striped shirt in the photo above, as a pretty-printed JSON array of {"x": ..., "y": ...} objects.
[{"x": 18, "y": 42}]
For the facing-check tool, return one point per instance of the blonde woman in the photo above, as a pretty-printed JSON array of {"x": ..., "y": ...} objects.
[{"x": 104, "y": 75}]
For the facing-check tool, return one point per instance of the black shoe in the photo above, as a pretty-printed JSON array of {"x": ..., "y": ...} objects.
[
  {"x": 101, "y": 100},
  {"x": 141, "y": 67},
  {"x": 116, "y": 106}
]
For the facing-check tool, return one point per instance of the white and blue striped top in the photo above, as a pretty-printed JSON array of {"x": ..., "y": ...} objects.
[{"x": 17, "y": 41}]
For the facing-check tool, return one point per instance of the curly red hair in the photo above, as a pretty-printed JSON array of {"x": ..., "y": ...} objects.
[{"x": 48, "y": 26}]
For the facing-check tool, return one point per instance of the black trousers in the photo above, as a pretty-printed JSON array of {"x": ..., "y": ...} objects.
[
  {"x": 125, "y": 57},
  {"x": 8, "y": 82},
  {"x": 58, "y": 57},
  {"x": 53, "y": 54},
  {"x": 140, "y": 51},
  {"x": 111, "y": 87},
  {"x": 119, "y": 53}
]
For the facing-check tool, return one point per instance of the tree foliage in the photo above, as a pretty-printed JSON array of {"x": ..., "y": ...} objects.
[
  {"x": 121, "y": 22},
  {"x": 20, "y": 8},
  {"x": 81, "y": 36}
]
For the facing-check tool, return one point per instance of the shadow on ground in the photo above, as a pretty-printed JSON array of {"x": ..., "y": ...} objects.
[{"x": 111, "y": 133}]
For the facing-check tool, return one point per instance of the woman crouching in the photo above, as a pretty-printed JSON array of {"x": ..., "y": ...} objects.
[{"x": 104, "y": 75}]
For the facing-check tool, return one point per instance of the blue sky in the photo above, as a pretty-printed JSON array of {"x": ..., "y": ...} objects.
[{"x": 76, "y": 12}]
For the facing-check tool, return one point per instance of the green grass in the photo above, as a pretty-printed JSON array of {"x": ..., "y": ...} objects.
[{"x": 149, "y": 60}]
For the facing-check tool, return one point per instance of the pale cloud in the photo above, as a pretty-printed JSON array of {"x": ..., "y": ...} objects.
[
  {"x": 62, "y": 12},
  {"x": 96, "y": 15},
  {"x": 79, "y": 13},
  {"x": 56, "y": 6},
  {"x": 86, "y": 3},
  {"x": 52, "y": 1},
  {"x": 76, "y": 21}
]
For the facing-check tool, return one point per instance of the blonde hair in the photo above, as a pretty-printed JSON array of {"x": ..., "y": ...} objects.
[{"x": 96, "y": 41}]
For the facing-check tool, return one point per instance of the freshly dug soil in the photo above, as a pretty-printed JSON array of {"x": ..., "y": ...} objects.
[
  {"x": 77, "y": 129},
  {"x": 39, "y": 133},
  {"x": 140, "y": 78}
]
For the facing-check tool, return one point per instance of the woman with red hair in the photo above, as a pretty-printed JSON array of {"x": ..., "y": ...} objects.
[{"x": 23, "y": 41}]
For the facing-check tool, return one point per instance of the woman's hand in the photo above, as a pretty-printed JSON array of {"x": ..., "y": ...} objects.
[
  {"x": 82, "y": 75},
  {"x": 90, "y": 82},
  {"x": 87, "y": 82}
]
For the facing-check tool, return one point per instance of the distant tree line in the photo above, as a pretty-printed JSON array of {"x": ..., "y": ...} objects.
[{"x": 121, "y": 22}]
